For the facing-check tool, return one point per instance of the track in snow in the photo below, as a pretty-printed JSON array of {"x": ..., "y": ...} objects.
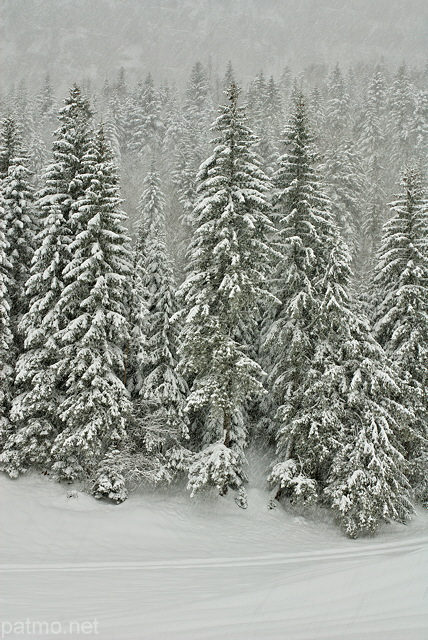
[{"x": 164, "y": 568}]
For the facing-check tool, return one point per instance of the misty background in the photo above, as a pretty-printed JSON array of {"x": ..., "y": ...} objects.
[{"x": 92, "y": 39}]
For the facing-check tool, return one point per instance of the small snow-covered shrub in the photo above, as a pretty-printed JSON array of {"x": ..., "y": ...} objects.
[
  {"x": 294, "y": 483},
  {"x": 123, "y": 470},
  {"x": 110, "y": 482},
  {"x": 215, "y": 465},
  {"x": 241, "y": 499}
]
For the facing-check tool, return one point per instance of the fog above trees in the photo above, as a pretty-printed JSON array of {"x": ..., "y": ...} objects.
[{"x": 73, "y": 39}]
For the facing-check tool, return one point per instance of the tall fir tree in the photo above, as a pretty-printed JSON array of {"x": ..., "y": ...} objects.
[
  {"x": 38, "y": 390},
  {"x": 340, "y": 419},
  {"x": 95, "y": 406},
  {"x": 304, "y": 228},
  {"x": 10, "y": 141},
  {"x": 197, "y": 116},
  {"x": 401, "y": 105},
  {"x": 21, "y": 227},
  {"x": 229, "y": 259},
  {"x": 371, "y": 139},
  {"x": 160, "y": 390},
  {"x": 401, "y": 305},
  {"x": 346, "y": 187},
  {"x": 337, "y": 108},
  {"x": 145, "y": 119},
  {"x": 6, "y": 338}
]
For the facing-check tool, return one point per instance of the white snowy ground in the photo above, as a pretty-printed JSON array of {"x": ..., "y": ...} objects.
[{"x": 164, "y": 567}]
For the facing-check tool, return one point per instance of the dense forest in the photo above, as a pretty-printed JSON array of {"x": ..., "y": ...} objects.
[{"x": 189, "y": 272}]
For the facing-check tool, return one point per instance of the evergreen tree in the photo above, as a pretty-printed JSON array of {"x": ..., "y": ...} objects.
[
  {"x": 368, "y": 482},
  {"x": 10, "y": 141},
  {"x": 373, "y": 118},
  {"x": 346, "y": 187},
  {"x": 39, "y": 392},
  {"x": 46, "y": 100},
  {"x": 34, "y": 409},
  {"x": 401, "y": 105},
  {"x": 228, "y": 263},
  {"x": 340, "y": 420},
  {"x": 229, "y": 76},
  {"x": 316, "y": 112},
  {"x": 401, "y": 313},
  {"x": 6, "y": 370},
  {"x": 197, "y": 115},
  {"x": 21, "y": 228},
  {"x": 96, "y": 404},
  {"x": 22, "y": 110},
  {"x": 337, "y": 105},
  {"x": 145, "y": 119},
  {"x": 373, "y": 218},
  {"x": 160, "y": 390},
  {"x": 303, "y": 239},
  {"x": 420, "y": 128}
]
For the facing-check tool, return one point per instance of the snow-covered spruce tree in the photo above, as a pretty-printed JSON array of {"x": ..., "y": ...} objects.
[
  {"x": 45, "y": 100},
  {"x": 38, "y": 391},
  {"x": 145, "y": 118},
  {"x": 337, "y": 106},
  {"x": 346, "y": 186},
  {"x": 197, "y": 116},
  {"x": 160, "y": 391},
  {"x": 401, "y": 298},
  {"x": 96, "y": 405},
  {"x": 6, "y": 371},
  {"x": 420, "y": 128},
  {"x": 304, "y": 442},
  {"x": 21, "y": 227},
  {"x": 340, "y": 420},
  {"x": 371, "y": 139},
  {"x": 375, "y": 211},
  {"x": 10, "y": 142},
  {"x": 367, "y": 483},
  {"x": 401, "y": 106},
  {"x": 228, "y": 263}
]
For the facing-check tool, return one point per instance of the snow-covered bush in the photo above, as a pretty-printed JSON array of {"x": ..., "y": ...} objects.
[
  {"x": 215, "y": 465},
  {"x": 293, "y": 483}
]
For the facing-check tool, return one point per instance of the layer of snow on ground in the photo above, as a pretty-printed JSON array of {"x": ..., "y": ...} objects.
[{"x": 163, "y": 566}]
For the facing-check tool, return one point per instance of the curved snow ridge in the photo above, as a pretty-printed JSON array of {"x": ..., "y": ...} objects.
[{"x": 244, "y": 561}]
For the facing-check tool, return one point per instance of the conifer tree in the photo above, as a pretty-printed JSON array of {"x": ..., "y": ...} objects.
[
  {"x": 401, "y": 294},
  {"x": 420, "y": 128},
  {"x": 38, "y": 390},
  {"x": 145, "y": 119},
  {"x": 21, "y": 227},
  {"x": 304, "y": 229},
  {"x": 96, "y": 405},
  {"x": 229, "y": 76},
  {"x": 337, "y": 105},
  {"x": 228, "y": 263},
  {"x": 346, "y": 187},
  {"x": 401, "y": 105},
  {"x": 46, "y": 100},
  {"x": 340, "y": 420},
  {"x": 160, "y": 391},
  {"x": 23, "y": 110},
  {"x": 10, "y": 141},
  {"x": 6, "y": 370},
  {"x": 367, "y": 482},
  {"x": 373, "y": 218},
  {"x": 373, "y": 119},
  {"x": 197, "y": 114}
]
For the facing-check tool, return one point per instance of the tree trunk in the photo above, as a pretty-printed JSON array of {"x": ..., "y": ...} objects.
[{"x": 227, "y": 422}]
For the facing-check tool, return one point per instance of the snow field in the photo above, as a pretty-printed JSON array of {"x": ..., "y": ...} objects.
[{"x": 163, "y": 567}]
